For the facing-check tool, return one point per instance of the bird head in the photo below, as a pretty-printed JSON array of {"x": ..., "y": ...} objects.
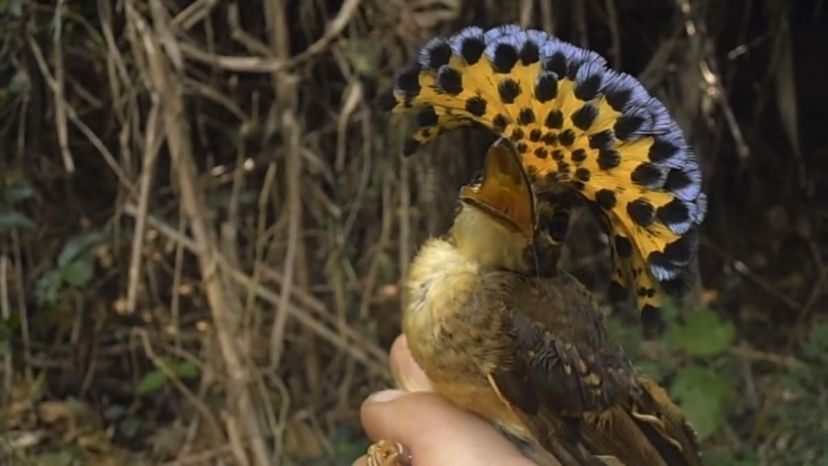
[{"x": 496, "y": 221}]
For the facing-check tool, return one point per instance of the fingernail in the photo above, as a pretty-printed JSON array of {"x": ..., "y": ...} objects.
[{"x": 385, "y": 396}]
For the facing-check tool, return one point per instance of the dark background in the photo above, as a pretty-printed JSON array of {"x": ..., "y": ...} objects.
[{"x": 250, "y": 317}]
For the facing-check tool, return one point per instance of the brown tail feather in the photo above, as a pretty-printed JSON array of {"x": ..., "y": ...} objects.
[
  {"x": 665, "y": 426},
  {"x": 614, "y": 432},
  {"x": 652, "y": 432}
]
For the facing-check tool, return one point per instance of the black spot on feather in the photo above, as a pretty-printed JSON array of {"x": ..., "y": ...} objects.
[
  {"x": 450, "y": 80},
  {"x": 605, "y": 198},
  {"x": 626, "y": 125},
  {"x": 583, "y": 174},
  {"x": 541, "y": 153},
  {"x": 556, "y": 63},
  {"x": 608, "y": 158},
  {"x": 529, "y": 52},
  {"x": 500, "y": 122},
  {"x": 584, "y": 116},
  {"x": 646, "y": 174},
  {"x": 641, "y": 211},
  {"x": 476, "y": 105},
  {"x": 660, "y": 260},
  {"x": 572, "y": 70},
  {"x": 567, "y": 137},
  {"x": 409, "y": 81},
  {"x": 471, "y": 49},
  {"x": 681, "y": 251},
  {"x": 677, "y": 180},
  {"x": 526, "y": 116},
  {"x": 618, "y": 98},
  {"x": 652, "y": 321},
  {"x": 554, "y": 120},
  {"x": 550, "y": 139},
  {"x": 588, "y": 88},
  {"x": 546, "y": 88},
  {"x": 674, "y": 212},
  {"x": 517, "y": 135},
  {"x": 535, "y": 135},
  {"x": 623, "y": 247},
  {"x": 508, "y": 90},
  {"x": 662, "y": 150},
  {"x": 426, "y": 117},
  {"x": 601, "y": 140},
  {"x": 505, "y": 57},
  {"x": 578, "y": 155},
  {"x": 439, "y": 55}
]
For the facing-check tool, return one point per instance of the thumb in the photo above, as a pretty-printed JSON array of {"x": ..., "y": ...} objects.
[{"x": 435, "y": 431}]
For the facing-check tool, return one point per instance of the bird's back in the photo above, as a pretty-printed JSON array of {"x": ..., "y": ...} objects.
[{"x": 571, "y": 379}]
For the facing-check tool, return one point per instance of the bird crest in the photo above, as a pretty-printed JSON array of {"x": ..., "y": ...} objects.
[{"x": 578, "y": 125}]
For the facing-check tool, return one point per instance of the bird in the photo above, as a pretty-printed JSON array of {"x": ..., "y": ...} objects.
[
  {"x": 582, "y": 129},
  {"x": 524, "y": 346}
]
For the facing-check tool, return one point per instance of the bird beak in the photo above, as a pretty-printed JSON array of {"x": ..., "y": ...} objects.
[{"x": 505, "y": 193}]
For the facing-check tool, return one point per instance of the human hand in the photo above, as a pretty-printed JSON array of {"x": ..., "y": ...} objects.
[{"x": 434, "y": 431}]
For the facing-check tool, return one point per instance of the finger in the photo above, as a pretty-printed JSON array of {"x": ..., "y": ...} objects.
[
  {"x": 407, "y": 373},
  {"x": 361, "y": 461},
  {"x": 436, "y": 431}
]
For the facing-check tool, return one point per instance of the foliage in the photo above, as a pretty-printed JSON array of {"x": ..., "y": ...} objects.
[
  {"x": 703, "y": 334},
  {"x": 75, "y": 267},
  {"x": 289, "y": 155},
  {"x": 157, "y": 379},
  {"x": 703, "y": 394},
  {"x": 693, "y": 363},
  {"x": 700, "y": 390},
  {"x": 11, "y": 195},
  {"x": 697, "y": 361}
]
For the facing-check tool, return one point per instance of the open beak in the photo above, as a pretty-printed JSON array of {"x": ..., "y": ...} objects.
[{"x": 505, "y": 193}]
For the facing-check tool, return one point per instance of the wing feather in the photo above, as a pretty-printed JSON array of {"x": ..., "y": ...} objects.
[{"x": 570, "y": 381}]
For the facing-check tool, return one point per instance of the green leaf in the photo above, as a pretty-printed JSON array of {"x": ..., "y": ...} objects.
[
  {"x": 348, "y": 444},
  {"x": 10, "y": 220},
  {"x": 186, "y": 369},
  {"x": 20, "y": 191},
  {"x": 78, "y": 246},
  {"x": 703, "y": 334},
  {"x": 48, "y": 287},
  {"x": 702, "y": 394},
  {"x": 65, "y": 457},
  {"x": 79, "y": 272},
  {"x": 734, "y": 459},
  {"x": 817, "y": 342},
  {"x": 629, "y": 337},
  {"x": 152, "y": 381}
]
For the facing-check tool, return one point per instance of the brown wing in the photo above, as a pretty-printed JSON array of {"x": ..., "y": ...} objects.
[{"x": 570, "y": 379}]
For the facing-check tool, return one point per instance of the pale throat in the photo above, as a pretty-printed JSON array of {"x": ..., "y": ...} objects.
[{"x": 481, "y": 239}]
